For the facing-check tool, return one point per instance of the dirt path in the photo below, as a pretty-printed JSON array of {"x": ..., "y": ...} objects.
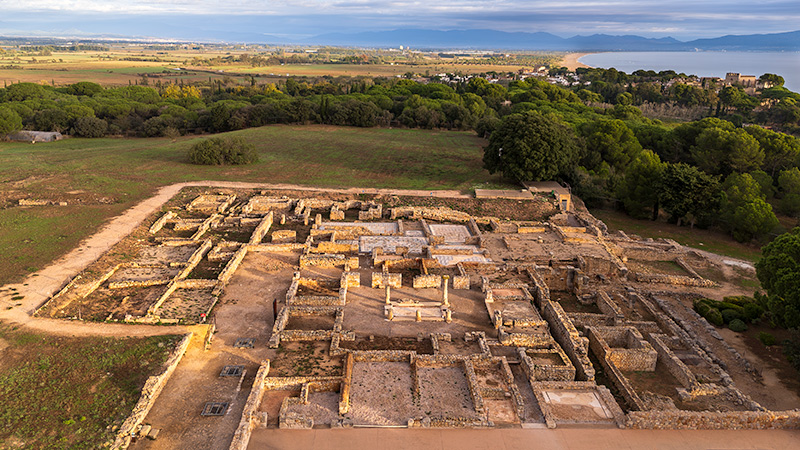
[
  {"x": 510, "y": 438},
  {"x": 40, "y": 286}
]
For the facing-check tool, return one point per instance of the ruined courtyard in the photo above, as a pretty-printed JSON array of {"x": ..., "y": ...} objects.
[{"x": 399, "y": 315}]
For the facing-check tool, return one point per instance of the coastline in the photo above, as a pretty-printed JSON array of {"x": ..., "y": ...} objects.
[{"x": 570, "y": 60}]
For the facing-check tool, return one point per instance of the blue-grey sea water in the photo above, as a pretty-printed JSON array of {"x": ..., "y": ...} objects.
[{"x": 704, "y": 64}]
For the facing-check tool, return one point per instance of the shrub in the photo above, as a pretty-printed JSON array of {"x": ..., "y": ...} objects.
[
  {"x": 740, "y": 300},
  {"x": 729, "y": 315},
  {"x": 737, "y": 325},
  {"x": 218, "y": 151},
  {"x": 766, "y": 338},
  {"x": 752, "y": 311},
  {"x": 715, "y": 317},
  {"x": 702, "y": 308}
]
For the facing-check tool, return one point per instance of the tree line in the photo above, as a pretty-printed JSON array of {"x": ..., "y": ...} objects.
[{"x": 713, "y": 171}]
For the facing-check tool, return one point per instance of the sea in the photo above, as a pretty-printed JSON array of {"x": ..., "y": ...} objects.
[{"x": 704, "y": 63}]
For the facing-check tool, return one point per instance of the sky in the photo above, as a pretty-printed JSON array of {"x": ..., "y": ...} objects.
[{"x": 196, "y": 19}]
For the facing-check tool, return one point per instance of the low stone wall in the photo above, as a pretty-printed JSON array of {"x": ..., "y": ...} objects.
[
  {"x": 350, "y": 279},
  {"x": 159, "y": 224},
  {"x": 674, "y": 365},
  {"x": 709, "y": 420},
  {"x": 205, "y": 226},
  {"x": 347, "y": 383},
  {"x": 427, "y": 281},
  {"x": 624, "y": 347},
  {"x": 137, "y": 283},
  {"x": 230, "y": 268},
  {"x": 336, "y": 213},
  {"x": 262, "y": 229},
  {"x": 195, "y": 259},
  {"x": 564, "y": 332},
  {"x": 608, "y": 306},
  {"x": 251, "y": 417},
  {"x": 323, "y": 260},
  {"x": 439, "y": 214},
  {"x": 334, "y": 247},
  {"x": 284, "y": 236},
  {"x": 546, "y": 372},
  {"x": 461, "y": 282},
  {"x": 150, "y": 392},
  {"x": 277, "y": 248},
  {"x": 381, "y": 279},
  {"x": 675, "y": 280},
  {"x": 524, "y": 339}
]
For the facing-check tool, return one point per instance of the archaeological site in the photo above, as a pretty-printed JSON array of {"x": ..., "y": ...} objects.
[{"x": 317, "y": 309}]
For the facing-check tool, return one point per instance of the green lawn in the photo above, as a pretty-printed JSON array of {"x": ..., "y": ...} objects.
[
  {"x": 711, "y": 240},
  {"x": 114, "y": 174},
  {"x": 71, "y": 393}
]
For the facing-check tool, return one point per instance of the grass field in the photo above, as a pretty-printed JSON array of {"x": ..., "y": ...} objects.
[
  {"x": 70, "y": 393},
  {"x": 711, "y": 240},
  {"x": 100, "y": 178},
  {"x": 115, "y": 67}
]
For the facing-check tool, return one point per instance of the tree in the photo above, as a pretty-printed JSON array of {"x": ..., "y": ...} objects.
[
  {"x": 719, "y": 151},
  {"x": 24, "y": 91},
  {"x": 775, "y": 80},
  {"x": 781, "y": 151},
  {"x": 84, "y": 88},
  {"x": 90, "y": 127},
  {"x": 51, "y": 120},
  {"x": 9, "y": 121},
  {"x": 789, "y": 183},
  {"x": 744, "y": 212},
  {"x": 531, "y": 147},
  {"x": 641, "y": 186},
  {"x": 689, "y": 194},
  {"x": 610, "y": 141},
  {"x": 779, "y": 273}
]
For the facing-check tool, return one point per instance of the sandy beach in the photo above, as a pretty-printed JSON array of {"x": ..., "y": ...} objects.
[{"x": 570, "y": 60}]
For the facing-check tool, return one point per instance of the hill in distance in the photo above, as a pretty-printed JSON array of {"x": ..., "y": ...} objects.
[{"x": 493, "y": 39}]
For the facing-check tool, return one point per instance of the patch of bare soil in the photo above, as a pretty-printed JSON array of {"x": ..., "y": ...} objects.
[
  {"x": 271, "y": 404},
  {"x": 322, "y": 407},
  {"x": 777, "y": 374},
  {"x": 305, "y": 358},
  {"x": 537, "y": 209},
  {"x": 459, "y": 347},
  {"x": 444, "y": 391},
  {"x": 768, "y": 388},
  {"x": 423, "y": 347},
  {"x": 311, "y": 323}
]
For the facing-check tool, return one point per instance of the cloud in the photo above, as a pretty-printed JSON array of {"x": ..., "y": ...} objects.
[{"x": 680, "y": 18}]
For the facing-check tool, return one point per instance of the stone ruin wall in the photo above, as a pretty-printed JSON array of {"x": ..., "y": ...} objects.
[
  {"x": 150, "y": 392},
  {"x": 251, "y": 416}
]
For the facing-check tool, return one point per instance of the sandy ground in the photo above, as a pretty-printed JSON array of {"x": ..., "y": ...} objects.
[
  {"x": 570, "y": 61},
  {"x": 513, "y": 439}
]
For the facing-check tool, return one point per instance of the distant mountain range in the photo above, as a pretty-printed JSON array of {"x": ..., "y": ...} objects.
[
  {"x": 162, "y": 29},
  {"x": 493, "y": 39}
]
